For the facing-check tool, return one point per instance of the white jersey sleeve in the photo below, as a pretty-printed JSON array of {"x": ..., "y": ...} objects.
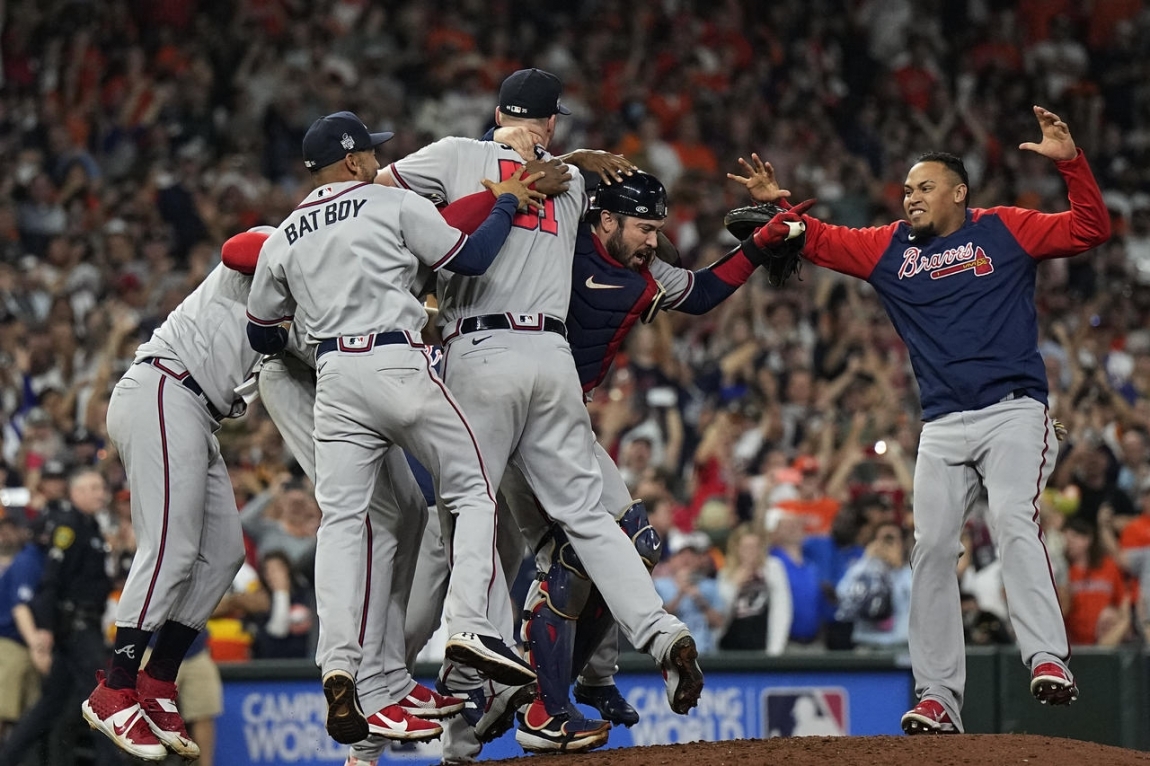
[
  {"x": 270, "y": 302},
  {"x": 423, "y": 171},
  {"x": 678, "y": 282},
  {"x": 433, "y": 241}
]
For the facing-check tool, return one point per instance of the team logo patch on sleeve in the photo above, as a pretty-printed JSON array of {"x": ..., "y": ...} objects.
[{"x": 808, "y": 711}]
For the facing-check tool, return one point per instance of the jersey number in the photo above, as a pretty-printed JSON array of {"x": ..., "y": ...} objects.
[{"x": 547, "y": 223}]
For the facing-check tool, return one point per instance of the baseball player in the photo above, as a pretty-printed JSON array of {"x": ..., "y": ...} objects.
[
  {"x": 616, "y": 281},
  {"x": 287, "y": 388},
  {"x": 508, "y": 361},
  {"x": 347, "y": 261},
  {"x": 163, "y": 416},
  {"x": 958, "y": 284}
]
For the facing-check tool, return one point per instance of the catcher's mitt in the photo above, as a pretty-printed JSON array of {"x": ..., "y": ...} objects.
[{"x": 779, "y": 261}]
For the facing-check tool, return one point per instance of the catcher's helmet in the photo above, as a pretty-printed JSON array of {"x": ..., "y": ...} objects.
[{"x": 639, "y": 195}]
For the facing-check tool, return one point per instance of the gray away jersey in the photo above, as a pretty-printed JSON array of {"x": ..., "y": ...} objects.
[
  {"x": 206, "y": 332},
  {"x": 533, "y": 270},
  {"x": 348, "y": 260}
]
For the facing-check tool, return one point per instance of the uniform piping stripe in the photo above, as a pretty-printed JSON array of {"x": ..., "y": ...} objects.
[
  {"x": 454, "y": 251},
  {"x": 267, "y": 322},
  {"x": 326, "y": 200},
  {"x": 398, "y": 178},
  {"x": 167, "y": 502},
  {"x": 366, "y": 581},
  {"x": 1037, "y": 512},
  {"x": 482, "y": 466}
]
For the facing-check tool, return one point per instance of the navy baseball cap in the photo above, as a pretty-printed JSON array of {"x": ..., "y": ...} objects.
[
  {"x": 531, "y": 93},
  {"x": 331, "y": 138}
]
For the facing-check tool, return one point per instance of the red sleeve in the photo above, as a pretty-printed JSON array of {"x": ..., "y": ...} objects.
[
  {"x": 241, "y": 252},
  {"x": 849, "y": 251},
  {"x": 468, "y": 213},
  {"x": 1060, "y": 235}
]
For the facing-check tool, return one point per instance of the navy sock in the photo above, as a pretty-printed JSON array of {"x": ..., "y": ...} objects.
[
  {"x": 129, "y": 651},
  {"x": 172, "y": 643}
]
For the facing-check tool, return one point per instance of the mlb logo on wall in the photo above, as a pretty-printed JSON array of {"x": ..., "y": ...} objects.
[{"x": 806, "y": 711}]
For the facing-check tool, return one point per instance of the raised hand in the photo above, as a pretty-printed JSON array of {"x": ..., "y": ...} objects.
[
  {"x": 519, "y": 186},
  {"x": 1056, "y": 141},
  {"x": 610, "y": 167},
  {"x": 760, "y": 180},
  {"x": 556, "y": 176}
]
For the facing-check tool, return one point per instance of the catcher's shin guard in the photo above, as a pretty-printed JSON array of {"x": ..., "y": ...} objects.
[
  {"x": 555, "y": 601},
  {"x": 590, "y": 629}
]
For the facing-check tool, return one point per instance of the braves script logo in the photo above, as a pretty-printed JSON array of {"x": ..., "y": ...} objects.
[{"x": 946, "y": 263}]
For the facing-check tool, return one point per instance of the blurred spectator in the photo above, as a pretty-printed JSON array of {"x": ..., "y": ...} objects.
[
  {"x": 807, "y": 601},
  {"x": 980, "y": 570},
  {"x": 233, "y": 625},
  {"x": 23, "y": 561},
  {"x": 67, "y": 641},
  {"x": 1095, "y": 603},
  {"x": 286, "y": 522},
  {"x": 754, "y": 587},
  {"x": 816, "y": 509},
  {"x": 1133, "y": 554},
  {"x": 291, "y": 614},
  {"x": 874, "y": 593},
  {"x": 689, "y": 589}
]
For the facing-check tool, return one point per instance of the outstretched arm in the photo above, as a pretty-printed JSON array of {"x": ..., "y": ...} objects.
[{"x": 1086, "y": 224}]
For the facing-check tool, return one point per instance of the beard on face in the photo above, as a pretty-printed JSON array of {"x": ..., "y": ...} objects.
[
  {"x": 924, "y": 231},
  {"x": 618, "y": 250}
]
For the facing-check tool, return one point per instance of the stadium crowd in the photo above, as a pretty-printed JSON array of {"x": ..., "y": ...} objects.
[{"x": 773, "y": 439}]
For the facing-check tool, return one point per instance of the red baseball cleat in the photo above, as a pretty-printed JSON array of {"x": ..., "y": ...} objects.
[
  {"x": 1051, "y": 684},
  {"x": 928, "y": 717},
  {"x": 116, "y": 714},
  {"x": 393, "y": 722},
  {"x": 158, "y": 701},
  {"x": 425, "y": 703}
]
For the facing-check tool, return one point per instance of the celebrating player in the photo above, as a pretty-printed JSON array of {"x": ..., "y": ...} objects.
[
  {"x": 958, "y": 284},
  {"x": 616, "y": 281},
  {"x": 503, "y": 333},
  {"x": 163, "y": 417},
  {"x": 348, "y": 261}
]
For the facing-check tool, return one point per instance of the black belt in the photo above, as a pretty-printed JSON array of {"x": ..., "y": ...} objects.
[
  {"x": 381, "y": 339},
  {"x": 187, "y": 381},
  {"x": 503, "y": 322}
]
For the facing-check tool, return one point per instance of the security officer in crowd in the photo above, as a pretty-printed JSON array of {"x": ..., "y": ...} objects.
[{"x": 67, "y": 609}]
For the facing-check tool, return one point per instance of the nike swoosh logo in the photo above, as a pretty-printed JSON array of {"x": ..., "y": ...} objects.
[
  {"x": 591, "y": 283},
  {"x": 399, "y": 725},
  {"x": 477, "y": 341},
  {"x": 124, "y": 728},
  {"x": 657, "y": 546}
]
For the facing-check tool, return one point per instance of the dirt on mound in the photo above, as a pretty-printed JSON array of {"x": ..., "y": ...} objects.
[{"x": 959, "y": 750}]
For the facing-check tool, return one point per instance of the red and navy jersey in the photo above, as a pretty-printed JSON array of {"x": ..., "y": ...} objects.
[
  {"x": 607, "y": 298},
  {"x": 964, "y": 304}
]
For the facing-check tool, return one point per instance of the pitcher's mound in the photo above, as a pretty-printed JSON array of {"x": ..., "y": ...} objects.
[{"x": 954, "y": 750}]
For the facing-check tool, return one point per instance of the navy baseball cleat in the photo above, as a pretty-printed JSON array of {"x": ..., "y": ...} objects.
[
  {"x": 1051, "y": 684},
  {"x": 491, "y": 657},
  {"x": 346, "y": 722},
  {"x": 928, "y": 717},
  {"x": 682, "y": 674},
  {"x": 540, "y": 732},
  {"x": 609, "y": 702}
]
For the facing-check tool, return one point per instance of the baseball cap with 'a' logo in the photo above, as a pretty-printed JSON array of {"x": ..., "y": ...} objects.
[{"x": 331, "y": 138}]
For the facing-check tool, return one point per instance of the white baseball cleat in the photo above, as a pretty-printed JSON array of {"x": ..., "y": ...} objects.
[{"x": 116, "y": 714}]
